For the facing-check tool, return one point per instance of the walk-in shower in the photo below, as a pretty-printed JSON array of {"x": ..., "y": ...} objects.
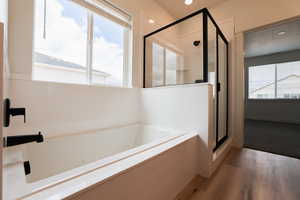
[{"x": 191, "y": 50}]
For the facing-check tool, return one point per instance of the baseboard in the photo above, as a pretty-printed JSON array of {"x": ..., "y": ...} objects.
[{"x": 190, "y": 188}]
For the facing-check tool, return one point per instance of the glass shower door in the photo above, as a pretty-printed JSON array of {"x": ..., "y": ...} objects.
[
  {"x": 222, "y": 90},
  {"x": 217, "y": 55}
]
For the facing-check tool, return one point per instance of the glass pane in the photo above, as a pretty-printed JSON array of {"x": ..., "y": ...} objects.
[
  {"x": 180, "y": 58},
  {"x": 288, "y": 80},
  {"x": 212, "y": 67},
  {"x": 158, "y": 65},
  {"x": 60, "y": 54},
  {"x": 261, "y": 82},
  {"x": 222, "y": 73},
  {"x": 108, "y": 52}
]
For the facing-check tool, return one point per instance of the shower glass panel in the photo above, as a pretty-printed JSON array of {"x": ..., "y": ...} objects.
[
  {"x": 191, "y": 50},
  {"x": 175, "y": 55}
]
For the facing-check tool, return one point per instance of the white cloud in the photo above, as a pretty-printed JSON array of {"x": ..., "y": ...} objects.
[{"x": 66, "y": 39}]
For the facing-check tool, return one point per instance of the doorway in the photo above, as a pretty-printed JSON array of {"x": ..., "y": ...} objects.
[{"x": 272, "y": 80}]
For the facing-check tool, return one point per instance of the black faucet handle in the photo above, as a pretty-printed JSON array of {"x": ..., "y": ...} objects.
[
  {"x": 9, "y": 111},
  {"x": 18, "y": 111},
  {"x": 40, "y": 138}
]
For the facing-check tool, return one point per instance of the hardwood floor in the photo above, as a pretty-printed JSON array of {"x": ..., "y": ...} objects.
[{"x": 253, "y": 175}]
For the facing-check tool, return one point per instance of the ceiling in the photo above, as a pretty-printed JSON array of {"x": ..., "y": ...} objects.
[
  {"x": 178, "y": 9},
  {"x": 273, "y": 39}
]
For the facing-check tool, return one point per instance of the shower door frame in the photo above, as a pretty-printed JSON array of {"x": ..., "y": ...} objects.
[
  {"x": 219, "y": 34},
  {"x": 206, "y": 15},
  {"x": 219, "y": 142}
]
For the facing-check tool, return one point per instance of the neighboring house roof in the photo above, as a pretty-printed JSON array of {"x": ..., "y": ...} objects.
[
  {"x": 45, "y": 59},
  {"x": 280, "y": 80}
]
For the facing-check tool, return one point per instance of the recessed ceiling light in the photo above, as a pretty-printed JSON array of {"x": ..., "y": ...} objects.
[
  {"x": 151, "y": 21},
  {"x": 281, "y": 33},
  {"x": 188, "y": 2}
]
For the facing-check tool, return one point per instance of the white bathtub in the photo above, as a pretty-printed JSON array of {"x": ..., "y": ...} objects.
[{"x": 61, "y": 159}]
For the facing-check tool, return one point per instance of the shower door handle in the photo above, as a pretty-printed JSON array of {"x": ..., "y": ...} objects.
[{"x": 218, "y": 87}]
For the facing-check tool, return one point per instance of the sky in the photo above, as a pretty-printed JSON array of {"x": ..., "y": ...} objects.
[{"x": 66, "y": 37}]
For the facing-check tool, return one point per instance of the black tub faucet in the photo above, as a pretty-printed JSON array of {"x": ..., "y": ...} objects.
[{"x": 22, "y": 139}]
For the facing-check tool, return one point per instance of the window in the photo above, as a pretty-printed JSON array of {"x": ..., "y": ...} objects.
[
  {"x": 81, "y": 42},
  {"x": 158, "y": 65},
  {"x": 288, "y": 80},
  {"x": 166, "y": 66},
  {"x": 171, "y": 67},
  {"x": 262, "y": 82},
  {"x": 276, "y": 81}
]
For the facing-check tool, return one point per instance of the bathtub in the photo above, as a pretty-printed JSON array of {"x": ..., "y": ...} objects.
[{"x": 61, "y": 159}]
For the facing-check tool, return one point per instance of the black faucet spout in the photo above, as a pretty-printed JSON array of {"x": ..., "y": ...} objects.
[{"x": 22, "y": 139}]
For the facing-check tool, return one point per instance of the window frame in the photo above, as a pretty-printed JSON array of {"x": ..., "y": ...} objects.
[
  {"x": 92, "y": 10},
  {"x": 275, "y": 84}
]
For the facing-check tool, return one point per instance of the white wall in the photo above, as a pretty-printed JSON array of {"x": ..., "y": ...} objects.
[
  {"x": 56, "y": 108},
  {"x": 238, "y": 93},
  {"x": 181, "y": 107},
  {"x": 187, "y": 108},
  {"x": 20, "y": 30},
  {"x": 4, "y": 19},
  {"x": 251, "y": 14}
]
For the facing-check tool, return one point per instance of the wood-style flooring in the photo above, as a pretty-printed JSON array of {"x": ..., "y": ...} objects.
[{"x": 253, "y": 175}]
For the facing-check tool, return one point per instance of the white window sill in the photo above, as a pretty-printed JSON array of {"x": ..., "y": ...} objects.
[{"x": 25, "y": 77}]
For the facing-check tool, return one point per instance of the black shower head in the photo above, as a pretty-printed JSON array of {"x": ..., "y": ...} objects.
[{"x": 196, "y": 43}]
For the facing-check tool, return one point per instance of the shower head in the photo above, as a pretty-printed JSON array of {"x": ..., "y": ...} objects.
[{"x": 196, "y": 43}]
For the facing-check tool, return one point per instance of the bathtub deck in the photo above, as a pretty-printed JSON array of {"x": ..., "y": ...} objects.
[{"x": 253, "y": 175}]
